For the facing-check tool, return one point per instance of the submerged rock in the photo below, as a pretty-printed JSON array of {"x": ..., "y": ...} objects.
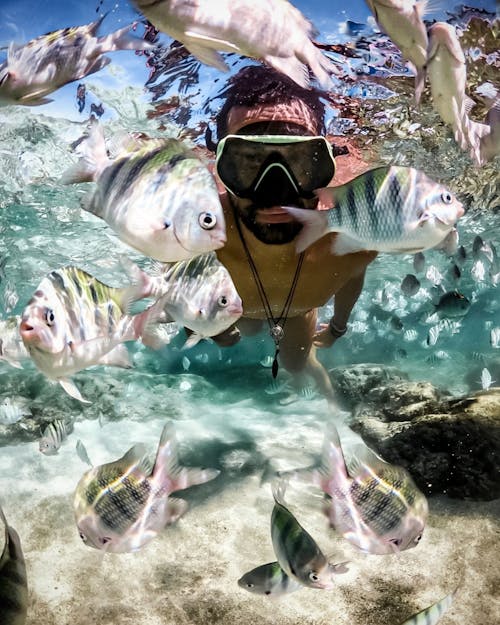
[
  {"x": 351, "y": 384},
  {"x": 450, "y": 446}
]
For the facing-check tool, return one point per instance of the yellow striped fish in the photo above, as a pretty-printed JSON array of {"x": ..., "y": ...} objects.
[
  {"x": 74, "y": 321},
  {"x": 48, "y": 62},
  {"x": 432, "y": 614},
  {"x": 297, "y": 552},
  {"x": 157, "y": 195},
  {"x": 13, "y": 582},
  {"x": 122, "y": 505},
  {"x": 388, "y": 209},
  {"x": 375, "y": 505}
]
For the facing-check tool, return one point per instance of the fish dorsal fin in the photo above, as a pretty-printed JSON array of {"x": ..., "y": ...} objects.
[
  {"x": 167, "y": 455},
  {"x": 361, "y": 458},
  {"x": 135, "y": 460}
]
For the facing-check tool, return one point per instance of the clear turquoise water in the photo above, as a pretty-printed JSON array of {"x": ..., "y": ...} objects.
[{"x": 227, "y": 412}]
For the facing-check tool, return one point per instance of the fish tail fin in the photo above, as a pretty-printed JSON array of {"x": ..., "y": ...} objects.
[
  {"x": 476, "y": 132},
  {"x": 321, "y": 66},
  {"x": 315, "y": 225},
  {"x": 142, "y": 284},
  {"x": 291, "y": 67},
  {"x": 167, "y": 466},
  {"x": 144, "y": 325},
  {"x": 123, "y": 40},
  {"x": 278, "y": 488},
  {"x": 93, "y": 157}
]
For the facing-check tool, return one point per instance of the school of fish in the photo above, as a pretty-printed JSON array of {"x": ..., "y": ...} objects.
[{"x": 161, "y": 199}]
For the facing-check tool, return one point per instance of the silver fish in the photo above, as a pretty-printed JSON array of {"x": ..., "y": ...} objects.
[
  {"x": 38, "y": 68},
  {"x": 13, "y": 582},
  {"x": 198, "y": 294},
  {"x": 433, "y": 335},
  {"x": 74, "y": 321},
  {"x": 489, "y": 146},
  {"x": 389, "y": 209},
  {"x": 157, "y": 195},
  {"x": 12, "y": 348},
  {"x": 298, "y": 554},
  {"x": 418, "y": 262},
  {"x": 268, "y": 579},
  {"x": 410, "y": 285},
  {"x": 270, "y": 30},
  {"x": 453, "y": 304},
  {"x": 402, "y": 21},
  {"x": 122, "y": 505},
  {"x": 375, "y": 505},
  {"x": 53, "y": 436},
  {"x": 13, "y": 409},
  {"x": 446, "y": 70},
  {"x": 486, "y": 379},
  {"x": 495, "y": 338},
  {"x": 432, "y": 614},
  {"x": 81, "y": 450}
]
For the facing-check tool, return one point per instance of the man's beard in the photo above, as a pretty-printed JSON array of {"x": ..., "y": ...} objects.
[{"x": 273, "y": 234}]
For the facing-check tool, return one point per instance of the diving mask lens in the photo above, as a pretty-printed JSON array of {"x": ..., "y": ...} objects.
[{"x": 244, "y": 161}]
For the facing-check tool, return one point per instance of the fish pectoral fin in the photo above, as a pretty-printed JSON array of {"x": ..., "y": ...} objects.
[
  {"x": 344, "y": 244},
  {"x": 174, "y": 509},
  {"x": 72, "y": 390},
  {"x": 201, "y": 47},
  {"x": 193, "y": 340}
]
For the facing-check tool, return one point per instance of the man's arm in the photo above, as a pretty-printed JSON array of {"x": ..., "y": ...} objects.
[{"x": 345, "y": 298}]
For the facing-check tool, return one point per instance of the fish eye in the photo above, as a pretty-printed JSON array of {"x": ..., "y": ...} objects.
[
  {"x": 314, "y": 577},
  {"x": 396, "y": 541},
  {"x": 49, "y": 316},
  {"x": 222, "y": 301},
  {"x": 446, "y": 197},
  {"x": 105, "y": 540},
  {"x": 207, "y": 221},
  {"x": 83, "y": 537},
  {"x": 250, "y": 585},
  {"x": 166, "y": 224},
  {"x": 418, "y": 538}
]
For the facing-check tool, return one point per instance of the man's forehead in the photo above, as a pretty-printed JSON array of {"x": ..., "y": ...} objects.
[{"x": 294, "y": 111}]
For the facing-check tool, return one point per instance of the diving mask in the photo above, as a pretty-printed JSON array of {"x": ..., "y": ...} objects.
[{"x": 273, "y": 169}]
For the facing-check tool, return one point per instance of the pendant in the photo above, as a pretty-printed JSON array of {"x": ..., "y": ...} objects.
[
  {"x": 276, "y": 333},
  {"x": 275, "y": 366}
]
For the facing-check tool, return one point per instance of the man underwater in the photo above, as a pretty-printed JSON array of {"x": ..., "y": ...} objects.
[{"x": 271, "y": 153}]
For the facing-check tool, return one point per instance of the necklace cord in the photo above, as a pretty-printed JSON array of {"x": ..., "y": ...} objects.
[{"x": 276, "y": 325}]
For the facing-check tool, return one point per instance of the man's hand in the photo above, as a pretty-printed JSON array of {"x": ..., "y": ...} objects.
[{"x": 323, "y": 336}]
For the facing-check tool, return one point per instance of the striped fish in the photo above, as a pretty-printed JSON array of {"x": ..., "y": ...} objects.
[
  {"x": 273, "y": 31},
  {"x": 13, "y": 582},
  {"x": 12, "y": 349},
  {"x": 73, "y": 321},
  {"x": 53, "y": 436},
  {"x": 122, "y": 505},
  {"x": 432, "y": 614},
  {"x": 268, "y": 579},
  {"x": 297, "y": 552},
  {"x": 199, "y": 294},
  {"x": 48, "y": 62},
  {"x": 389, "y": 209},
  {"x": 376, "y": 506},
  {"x": 157, "y": 195}
]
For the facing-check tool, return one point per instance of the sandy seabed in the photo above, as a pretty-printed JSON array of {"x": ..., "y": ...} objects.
[{"x": 188, "y": 574}]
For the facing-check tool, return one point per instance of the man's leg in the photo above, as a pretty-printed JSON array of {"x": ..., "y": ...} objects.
[{"x": 298, "y": 355}]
